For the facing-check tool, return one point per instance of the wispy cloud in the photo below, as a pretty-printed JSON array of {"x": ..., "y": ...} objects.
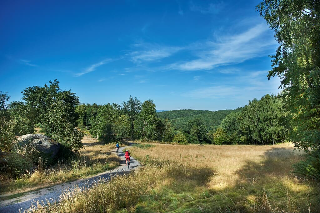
[
  {"x": 210, "y": 9},
  {"x": 93, "y": 67},
  {"x": 228, "y": 50},
  {"x": 27, "y": 62},
  {"x": 152, "y": 53},
  {"x": 246, "y": 87},
  {"x": 196, "y": 78}
]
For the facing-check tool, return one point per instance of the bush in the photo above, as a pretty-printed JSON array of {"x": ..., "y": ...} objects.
[
  {"x": 14, "y": 165},
  {"x": 180, "y": 138},
  {"x": 310, "y": 167}
]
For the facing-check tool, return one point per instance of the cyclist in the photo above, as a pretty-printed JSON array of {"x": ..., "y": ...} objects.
[
  {"x": 117, "y": 146},
  {"x": 127, "y": 156}
]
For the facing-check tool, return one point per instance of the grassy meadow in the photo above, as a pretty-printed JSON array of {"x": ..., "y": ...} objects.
[
  {"x": 202, "y": 178},
  {"x": 95, "y": 157}
]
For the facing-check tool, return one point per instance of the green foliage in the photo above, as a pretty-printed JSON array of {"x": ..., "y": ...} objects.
[
  {"x": 220, "y": 137},
  {"x": 132, "y": 108},
  {"x": 146, "y": 123},
  {"x": 54, "y": 109},
  {"x": 262, "y": 121},
  {"x": 6, "y": 124},
  {"x": 14, "y": 164},
  {"x": 122, "y": 127},
  {"x": 180, "y": 138},
  {"x": 196, "y": 125},
  {"x": 181, "y": 118},
  {"x": 111, "y": 122},
  {"x": 22, "y": 117},
  {"x": 309, "y": 167},
  {"x": 297, "y": 62},
  {"x": 196, "y": 132},
  {"x": 104, "y": 123},
  {"x": 168, "y": 131}
]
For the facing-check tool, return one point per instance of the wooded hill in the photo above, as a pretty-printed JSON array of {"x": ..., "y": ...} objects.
[{"x": 180, "y": 118}]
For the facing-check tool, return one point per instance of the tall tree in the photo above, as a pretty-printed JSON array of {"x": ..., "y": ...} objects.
[
  {"x": 146, "y": 124},
  {"x": 297, "y": 62},
  {"x": 105, "y": 121},
  {"x": 132, "y": 108}
]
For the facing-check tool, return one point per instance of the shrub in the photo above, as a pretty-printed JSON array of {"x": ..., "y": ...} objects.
[
  {"x": 14, "y": 165},
  {"x": 180, "y": 138}
]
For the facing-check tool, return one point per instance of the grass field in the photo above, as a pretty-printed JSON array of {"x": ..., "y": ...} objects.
[
  {"x": 95, "y": 157},
  {"x": 194, "y": 178}
]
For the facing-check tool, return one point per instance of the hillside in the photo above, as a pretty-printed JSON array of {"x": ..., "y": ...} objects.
[{"x": 180, "y": 118}]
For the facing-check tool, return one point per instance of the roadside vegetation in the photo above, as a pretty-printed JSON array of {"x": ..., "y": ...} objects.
[
  {"x": 209, "y": 178},
  {"x": 95, "y": 157}
]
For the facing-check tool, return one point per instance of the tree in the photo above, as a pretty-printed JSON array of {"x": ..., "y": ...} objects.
[
  {"x": 132, "y": 108},
  {"x": 22, "y": 118},
  {"x": 54, "y": 109},
  {"x": 229, "y": 130},
  {"x": 6, "y": 124},
  {"x": 180, "y": 138},
  {"x": 146, "y": 124},
  {"x": 105, "y": 121},
  {"x": 196, "y": 132},
  {"x": 122, "y": 127},
  {"x": 260, "y": 122},
  {"x": 297, "y": 62},
  {"x": 168, "y": 131}
]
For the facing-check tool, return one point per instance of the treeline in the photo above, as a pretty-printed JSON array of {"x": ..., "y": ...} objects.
[
  {"x": 262, "y": 121},
  {"x": 132, "y": 120},
  {"x": 138, "y": 120}
]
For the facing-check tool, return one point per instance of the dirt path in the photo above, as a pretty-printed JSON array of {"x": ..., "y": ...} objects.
[{"x": 52, "y": 194}]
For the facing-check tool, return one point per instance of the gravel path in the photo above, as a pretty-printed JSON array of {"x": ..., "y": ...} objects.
[{"x": 53, "y": 193}]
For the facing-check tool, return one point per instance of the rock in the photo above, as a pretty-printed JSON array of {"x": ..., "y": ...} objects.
[{"x": 37, "y": 146}]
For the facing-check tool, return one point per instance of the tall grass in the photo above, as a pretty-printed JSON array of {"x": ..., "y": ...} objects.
[{"x": 194, "y": 178}]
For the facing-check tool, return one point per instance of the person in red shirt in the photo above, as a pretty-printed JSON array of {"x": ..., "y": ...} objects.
[{"x": 127, "y": 156}]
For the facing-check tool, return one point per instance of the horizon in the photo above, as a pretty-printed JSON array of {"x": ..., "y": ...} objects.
[{"x": 200, "y": 55}]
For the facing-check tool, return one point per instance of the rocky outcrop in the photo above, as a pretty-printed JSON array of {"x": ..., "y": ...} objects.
[{"x": 38, "y": 147}]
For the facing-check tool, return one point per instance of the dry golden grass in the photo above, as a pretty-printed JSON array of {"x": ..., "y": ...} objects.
[
  {"x": 251, "y": 177},
  {"x": 226, "y": 160},
  {"x": 193, "y": 178}
]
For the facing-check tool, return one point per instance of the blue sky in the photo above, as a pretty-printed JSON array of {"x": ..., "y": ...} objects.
[{"x": 207, "y": 55}]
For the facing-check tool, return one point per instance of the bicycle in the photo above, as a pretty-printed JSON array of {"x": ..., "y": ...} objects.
[
  {"x": 117, "y": 147},
  {"x": 128, "y": 162}
]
